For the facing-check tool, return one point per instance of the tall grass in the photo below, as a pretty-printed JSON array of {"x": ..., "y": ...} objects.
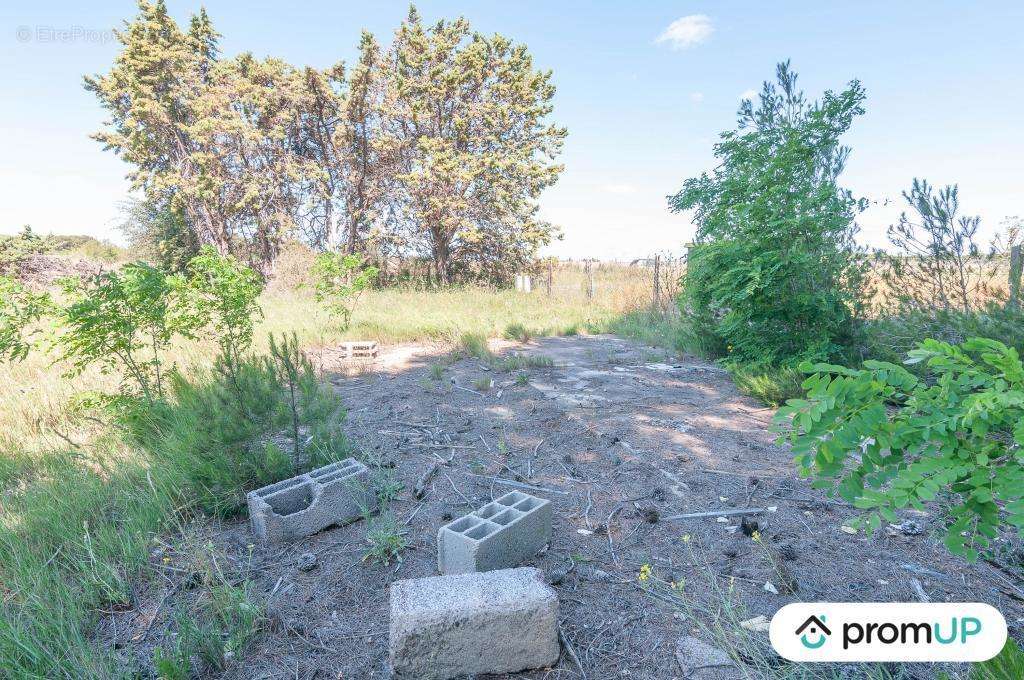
[{"x": 77, "y": 520}]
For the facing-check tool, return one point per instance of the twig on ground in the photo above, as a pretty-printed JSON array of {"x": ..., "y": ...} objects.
[
  {"x": 414, "y": 513},
  {"x": 725, "y": 512},
  {"x": 571, "y": 651},
  {"x": 518, "y": 485},
  {"x": 468, "y": 502},
  {"x": 919, "y": 589}
]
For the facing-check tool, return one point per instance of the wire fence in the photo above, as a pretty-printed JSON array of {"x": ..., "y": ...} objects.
[{"x": 651, "y": 282}]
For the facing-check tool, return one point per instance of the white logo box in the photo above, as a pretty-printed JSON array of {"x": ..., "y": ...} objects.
[{"x": 888, "y": 631}]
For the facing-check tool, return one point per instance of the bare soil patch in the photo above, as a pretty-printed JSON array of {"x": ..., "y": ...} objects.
[{"x": 619, "y": 437}]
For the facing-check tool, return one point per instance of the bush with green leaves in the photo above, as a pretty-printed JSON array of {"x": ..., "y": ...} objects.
[
  {"x": 222, "y": 294},
  {"x": 20, "y": 310},
  {"x": 121, "y": 321},
  {"x": 339, "y": 281},
  {"x": 887, "y": 439},
  {"x": 774, "y": 274},
  {"x": 14, "y": 249}
]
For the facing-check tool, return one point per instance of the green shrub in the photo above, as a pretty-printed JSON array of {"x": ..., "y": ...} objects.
[
  {"x": 890, "y": 337},
  {"x": 886, "y": 439},
  {"x": 220, "y": 294},
  {"x": 339, "y": 281},
  {"x": 120, "y": 321},
  {"x": 20, "y": 309},
  {"x": 774, "y": 273},
  {"x": 14, "y": 249}
]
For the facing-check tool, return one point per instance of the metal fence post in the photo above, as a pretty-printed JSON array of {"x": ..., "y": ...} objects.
[
  {"x": 1016, "y": 265},
  {"x": 657, "y": 282}
]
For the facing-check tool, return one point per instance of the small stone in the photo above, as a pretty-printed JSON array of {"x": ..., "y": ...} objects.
[
  {"x": 787, "y": 552},
  {"x": 758, "y": 624},
  {"x": 847, "y": 530},
  {"x": 911, "y": 528},
  {"x": 307, "y": 561},
  {"x": 651, "y": 515},
  {"x": 723, "y": 520},
  {"x": 693, "y": 654},
  {"x": 557, "y": 574},
  {"x": 769, "y": 587}
]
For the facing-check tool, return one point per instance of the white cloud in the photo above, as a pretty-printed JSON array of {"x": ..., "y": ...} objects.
[
  {"x": 687, "y": 31},
  {"x": 620, "y": 189},
  {"x": 748, "y": 94},
  {"x": 697, "y": 97}
]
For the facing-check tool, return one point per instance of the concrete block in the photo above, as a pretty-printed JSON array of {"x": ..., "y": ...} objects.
[
  {"x": 338, "y": 493},
  {"x": 496, "y": 622},
  {"x": 359, "y": 348},
  {"x": 500, "y": 535}
]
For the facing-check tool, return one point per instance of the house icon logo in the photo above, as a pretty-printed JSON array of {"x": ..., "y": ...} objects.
[{"x": 816, "y": 632}]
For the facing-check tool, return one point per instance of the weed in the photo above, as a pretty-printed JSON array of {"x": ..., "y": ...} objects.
[
  {"x": 437, "y": 372},
  {"x": 517, "y": 331},
  {"x": 483, "y": 384},
  {"x": 522, "y": 379},
  {"x": 475, "y": 345},
  {"x": 386, "y": 538},
  {"x": 518, "y": 362},
  {"x": 385, "y": 485}
]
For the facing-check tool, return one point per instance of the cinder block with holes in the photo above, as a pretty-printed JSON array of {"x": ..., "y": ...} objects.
[
  {"x": 499, "y": 535},
  {"x": 464, "y": 624},
  {"x": 338, "y": 493},
  {"x": 359, "y": 349}
]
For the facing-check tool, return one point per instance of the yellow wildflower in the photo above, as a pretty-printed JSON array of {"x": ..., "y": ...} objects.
[
  {"x": 756, "y": 536},
  {"x": 645, "y": 573}
]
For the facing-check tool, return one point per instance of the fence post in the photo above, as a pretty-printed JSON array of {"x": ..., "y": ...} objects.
[
  {"x": 657, "y": 282},
  {"x": 590, "y": 279},
  {"x": 551, "y": 267},
  {"x": 1016, "y": 265}
]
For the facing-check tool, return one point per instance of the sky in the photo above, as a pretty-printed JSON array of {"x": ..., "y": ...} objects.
[{"x": 643, "y": 88}]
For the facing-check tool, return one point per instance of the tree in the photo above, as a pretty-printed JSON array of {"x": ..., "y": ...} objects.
[
  {"x": 151, "y": 93},
  {"x": 468, "y": 112},
  {"x": 159, "y": 233},
  {"x": 939, "y": 266},
  {"x": 774, "y": 272},
  {"x": 368, "y": 160}
]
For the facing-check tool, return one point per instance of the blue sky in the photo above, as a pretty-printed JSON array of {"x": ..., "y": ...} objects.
[{"x": 944, "y": 84}]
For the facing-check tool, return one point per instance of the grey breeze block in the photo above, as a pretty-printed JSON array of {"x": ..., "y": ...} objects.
[
  {"x": 499, "y": 535},
  {"x": 338, "y": 493},
  {"x": 462, "y": 624}
]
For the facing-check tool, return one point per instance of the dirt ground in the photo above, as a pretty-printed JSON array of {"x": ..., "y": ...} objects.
[{"x": 619, "y": 437}]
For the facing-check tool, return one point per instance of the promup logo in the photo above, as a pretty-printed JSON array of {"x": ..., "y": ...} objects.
[
  {"x": 818, "y": 631},
  {"x": 887, "y": 631}
]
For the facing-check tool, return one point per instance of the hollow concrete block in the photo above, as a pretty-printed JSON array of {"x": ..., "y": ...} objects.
[
  {"x": 500, "y": 535},
  {"x": 338, "y": 493}
]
